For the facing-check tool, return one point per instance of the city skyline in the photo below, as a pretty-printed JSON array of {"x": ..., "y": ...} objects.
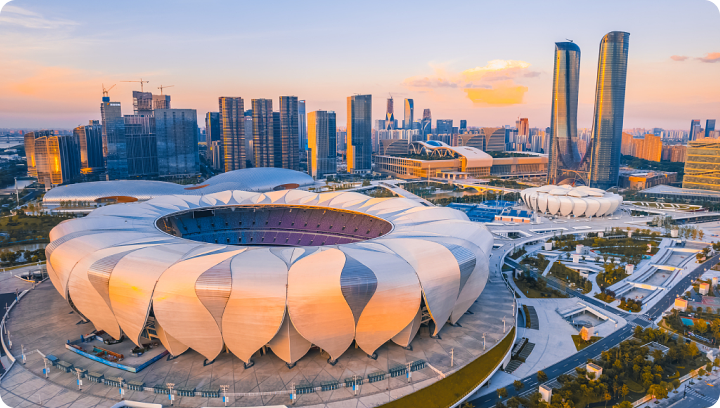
[{"x": 55, "y": 83}]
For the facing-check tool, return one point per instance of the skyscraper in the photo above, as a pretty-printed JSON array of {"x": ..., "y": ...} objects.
[
  {"x": 142, "y": 103},
  {"x": 702, "y": 167},
  {"x": 263, "y": 133},
  {"x": 694, "y": 129},
  {"x": 289, "y": 127},
  {"x": 213, "y": 131},
  {"x": 56, "y": 157},
  {"x": 426, "y": 124},
  {"x": 141, "y": 142},
  {"x": 249, "y": 152},
  {"x": 322, "y": 159},
  {"x": 564, "y": 158},
  {"x": 390, "y": 114},
  {"x": 444, "y": 127},
  {"x": 232, "y": 121},
  {"x": 113, "y": 139},
  {"x": 409, "y": 113},
  {"x": 709, "y": 127},
  {"x": 463, "y": 125},
  {"x": 609, "y": 110},
  {"x": 359, "y": 133},
  {"x": 161, "y": 101},
  {"x": 523, "y": 127},
  {"x": 177, "y": 142},
  {"x": 302, "y": 125},
  {"x": 89, "y": 140}
]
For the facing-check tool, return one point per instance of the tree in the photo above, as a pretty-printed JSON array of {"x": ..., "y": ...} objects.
[
  {"x": 657, "y": 391},
  {"x": 502, "y": 392},
  {"x": 607, "y": 397},
  {"x": 518, "y": 385},
  {"x": 467, "y": 405},
  {"x": 624, "y": 391},
  {"x": 624, "y": 404},
  {"x": 541, "y": 376},
  {"x": 588, "y": 286}
]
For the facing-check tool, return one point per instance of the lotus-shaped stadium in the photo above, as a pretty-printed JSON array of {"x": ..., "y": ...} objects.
[
  {"x": 284, "y": 270},
  {"x": 566, "y": 200}
]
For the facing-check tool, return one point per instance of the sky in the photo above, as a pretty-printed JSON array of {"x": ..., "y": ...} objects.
[{"x": 489, "y": 62}]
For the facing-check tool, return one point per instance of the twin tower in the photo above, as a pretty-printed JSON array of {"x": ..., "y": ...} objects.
[{"x": 600, "y": 165}]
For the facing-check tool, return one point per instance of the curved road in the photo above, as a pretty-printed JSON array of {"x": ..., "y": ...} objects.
[{"x": 563, "y": 366}]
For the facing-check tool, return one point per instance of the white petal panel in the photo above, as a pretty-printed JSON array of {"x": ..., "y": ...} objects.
[
  {"x": 316, "y": 303},
  {"x": 437, "y": 270},
  {"x": 397, "y": 289},
  {"x": 256, "y": 306},
  {"x": 288, "y": 344},
  {"x": 406, "y": 335},
  {"x": 180, "y": 312}
]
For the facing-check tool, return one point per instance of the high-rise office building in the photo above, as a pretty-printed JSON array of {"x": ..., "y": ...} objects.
[
  {"x": 322, "y": 158},
  {"x": 426, "y": 124},
  {"x": 709, "y": 127},
  {"x": 694, "y": 129},
  {"x": 263, "y": 133},
  {"x": 56, "y": 157},
  {"x": 302, "y": 126},
  {"x": 142, "y": 103},
  {"x": 702, "y": 167},
  {"x": 29, "y": 142},
  {"x": 359, "y": 133},
  {"x": 523, "y": 127},
  {"x": 141, "y": 142},
  {"x": 564, "y": 158},
  {"x": 289, "y": 151},
  {"x": 389, "y": 115},
  {"x": 213, "y": 131},
  {"x": 609, "y": 110},
  {"x": 444, "y": 127},
  {"x": 232, "y": 121},
  {"x": 409, "y": 114},
  {"x": 161, "y": 101},
  {"x": 113, "y": 139},
  {"x": 177, "y": 142},
  {"x": 463, "y": 126},
  {"x": 249, "y": 152},
  {"x": 89, "y": 140}
]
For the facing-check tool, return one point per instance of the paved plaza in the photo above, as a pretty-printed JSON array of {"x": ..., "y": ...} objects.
[{"x": 43, "y": 322}]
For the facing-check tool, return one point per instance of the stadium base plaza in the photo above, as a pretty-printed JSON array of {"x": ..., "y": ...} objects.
[{"x": 43, "y": 321}]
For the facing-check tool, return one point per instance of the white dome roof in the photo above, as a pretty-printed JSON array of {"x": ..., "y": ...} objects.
[{"x": 565, "y": 200}]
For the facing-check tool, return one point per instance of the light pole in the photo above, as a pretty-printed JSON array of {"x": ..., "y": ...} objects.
[
  {"x": 483, "y": 341},
  {"x": 503, "y": 324},
  {"x": 409, "y": 372},
  {"x": 170, "y": 394},
  {"x": 452, "y": 356},
  {"x": 46, "y": 371},
  {"x": 224, "y": 389},
  {"x": 79, "y": 381}
]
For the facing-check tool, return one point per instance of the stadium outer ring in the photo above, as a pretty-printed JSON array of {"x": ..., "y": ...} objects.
[{"x": 116, "y": 268}]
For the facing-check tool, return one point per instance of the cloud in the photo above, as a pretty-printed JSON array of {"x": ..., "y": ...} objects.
[
  {"x": 711, "y": 57},
  {"x": 492, "y": 84},
  {"x": 501, "y": 95},
  {"x": 17, "y": 16},
  {"x": 678, "y": 57}
]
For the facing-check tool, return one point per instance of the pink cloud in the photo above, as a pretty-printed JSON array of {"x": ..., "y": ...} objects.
[
  {"x": 678, "y": 57},
  {"x": 711, "y": 57}
]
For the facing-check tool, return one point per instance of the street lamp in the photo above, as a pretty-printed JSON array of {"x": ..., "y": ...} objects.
[
  {"x": 79, "y": 381},
  {"x": 170, "y": 394},
  {"x": 224, "y": 389}
]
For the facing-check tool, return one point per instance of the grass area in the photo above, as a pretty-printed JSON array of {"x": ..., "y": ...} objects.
[
  {"x": 534, "y": 291},
  {"x": 604, "y": 297},
  {"x": 581, "y": 344},
  {"x": 23, "y": 228},
  {"x": 450, "y": 390},
  {"x": 526, "y": 312}
]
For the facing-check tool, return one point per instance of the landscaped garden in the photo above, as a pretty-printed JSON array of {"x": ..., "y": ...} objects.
[
  {"x": 22, "y": 228},
  {"x": 630, "y": 371},
  {"x": 581, "y": 344},
  {"x": 536, "y": 288}
]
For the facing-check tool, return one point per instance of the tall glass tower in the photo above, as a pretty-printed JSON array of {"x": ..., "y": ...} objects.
[
  {"x": 409, "y": 113},
  {"x": 289, "y": 150},
  {"x": 609, "y": 110},
  {"x": 564, "y": 155},
  {"x": 359, "y": 134},
  {"x": 232, "y": 122}
]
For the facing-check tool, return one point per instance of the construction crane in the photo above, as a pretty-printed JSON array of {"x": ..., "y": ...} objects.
[
  {"x": 105, "y": 91},
  {"x": 141, "y": 83},
  {"x": 164, "y": 86}
]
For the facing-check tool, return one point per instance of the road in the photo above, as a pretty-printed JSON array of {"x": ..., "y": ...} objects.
[{"x": 553, "y": 371}]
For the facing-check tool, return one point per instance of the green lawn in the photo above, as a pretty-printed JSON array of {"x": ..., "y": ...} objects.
[
  {"x": 581, "y": 344},
  {"x": 451, "y": 389}
]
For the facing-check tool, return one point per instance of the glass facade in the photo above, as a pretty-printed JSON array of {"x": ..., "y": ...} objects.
[
  {"x": 321, "y": 143},
  {"x": 143, "y": 103},
  {"x": 263, "y": 132},
  {"x": 359, "y": 133},
  {"x": 232, "y": 122},
  {"x": 141, "y": 141},
  {"x": 289, "y": 128},
  {"x": 113, "y": 139},
  {"x": 409, "y": 114},
  {"x": 57, "y": 158},
  {"x": 702, "y": 166},
  {"x": 89, "y": 140},
  {"x": 426, "y": 124},
  {"x": 609, "y": 110},
  {"x": 177, "y": 142},
  {"x": 302, "y": 125},
  {"x": 564, "y": 159}
]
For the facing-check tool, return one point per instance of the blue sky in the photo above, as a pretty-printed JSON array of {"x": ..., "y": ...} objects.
[{"x": 55, "y": 56}]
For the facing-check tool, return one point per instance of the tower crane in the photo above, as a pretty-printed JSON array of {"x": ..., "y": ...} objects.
[
  {"x": 141, "y": 83},
  {"x": 164, "y": 86},
  {"x": 105, "y": 91}
]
